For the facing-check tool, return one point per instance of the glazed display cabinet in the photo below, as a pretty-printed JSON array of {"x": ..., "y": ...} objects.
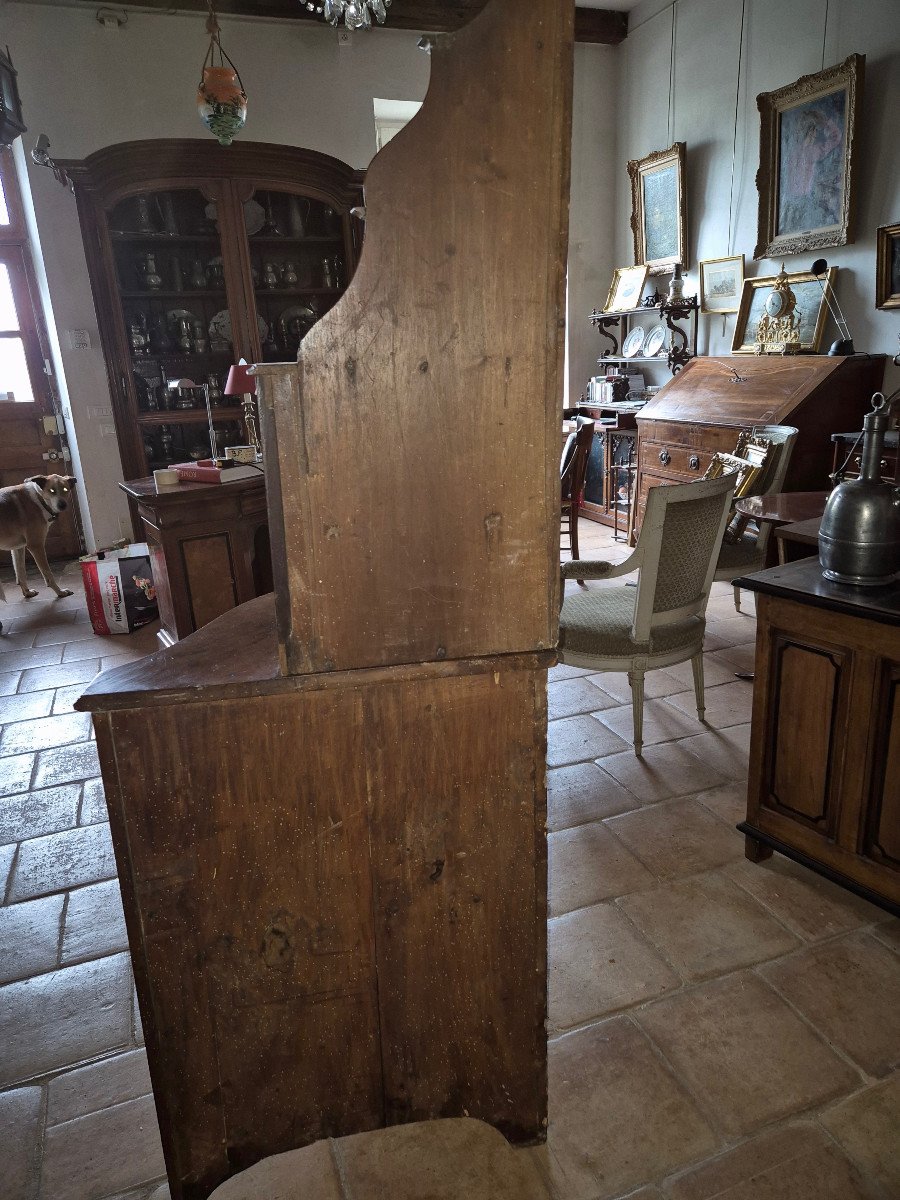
[{"x": 200, "y": 255}]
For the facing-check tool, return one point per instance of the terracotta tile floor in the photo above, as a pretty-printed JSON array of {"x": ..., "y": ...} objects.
[{"x": 718, "y": 1029}]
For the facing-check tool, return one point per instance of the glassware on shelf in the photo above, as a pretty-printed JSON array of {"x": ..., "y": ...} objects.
[
  {"x": 166, "y": 207},
  {"x": 200, "y": 339},
  {"x": 289, "y": 276},
  {"x": 198, "y": 276},
  {"x": 177, "y": 273},
  {"x": 160, "y": 342},
  {"x": 152, "y": 280},
  {"x": 216, "y": 395},
  {"x": 270, "y": 228},
  {"x": 297, "y": 216},
  {"x": 185, "y": 334},
  {"x": 137, "y": 333},
  {"x": 270, "y": 276},
  {"x": 167, "y": 442},
  {"x": 331, "y": 271},
  {"x": 144, "y": 219}
]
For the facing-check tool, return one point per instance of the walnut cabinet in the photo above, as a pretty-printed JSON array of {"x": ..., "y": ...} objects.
[{"x": 200, "y": 255}]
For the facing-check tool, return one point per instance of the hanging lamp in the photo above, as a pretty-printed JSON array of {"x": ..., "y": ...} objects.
[
  {"x": 357, "y": 14},
  {"x": 221, "y": 99}
]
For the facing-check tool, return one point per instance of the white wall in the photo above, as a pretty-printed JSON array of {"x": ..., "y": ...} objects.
[{"x": 782, "y": 40}]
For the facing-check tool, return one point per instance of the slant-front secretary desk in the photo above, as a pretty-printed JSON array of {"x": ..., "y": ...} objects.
[{"x": 329, "y": 807}]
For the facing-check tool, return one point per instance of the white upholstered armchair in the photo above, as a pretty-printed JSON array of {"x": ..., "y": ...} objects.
[{"x": 660, "y": 622}]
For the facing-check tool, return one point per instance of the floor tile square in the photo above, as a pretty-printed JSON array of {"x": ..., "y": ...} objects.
[
  {"x": 98, "y": 1085},
  {"x": 678, "y": 837},
  {"x": 745, "y": 1053},
  {"x": 50, "y": 1021},
  {"x": 656, "y": 684},
  {"x": 737, "y": 658},
  {"x": 25, "y": 707},
  {"x": 9, "y": 682},
  {"x": 587, "y": 864},
  {"x": 103, "y": 1153},
  {"x": 37, "y": 656},
  {"x": 20, "y": 1139},
  {"x": 7, "y": 856},
  {"x": 706, "y": 926},
  {"x": 29, "y": 814},
  {"x": 22, "y": 736},
  {"x": 808, "y": 904},
  {"x": 64, "y": 697},
  {"x": 579, "y": 739},
  {"x": 662, "y": 722},
  {"x": 581, "y": 793},
  {"x": 797, "y": 1162},
  {"x": 867, "y": 1127},
  {"x": 727, "y": 704},
  {"x": 95, "y": 923},
  {"x": 618, "y": 1117},
  {"x": 569, "y": 697},
  {"x": 63, "y": 860},
  {"x": 55, "y": 677},
  {"x": 714, "y": 673},
  {"x": 564, "y": 671},
  {"x": 728, "y": 802},
  {"x": 725, "y": 750},
  {"x": 16, "y": 774},
  {"x": 849, "y": 988},
  {"x": 93, "y": 809},
  {"x": 65, "y": 764},
  {"x": 599, "y": 964},
  {"x": 29, "y": 937},
  {"x": 662, "y": 772}
]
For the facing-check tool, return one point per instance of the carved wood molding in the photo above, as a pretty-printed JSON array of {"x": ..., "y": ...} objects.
[{"x": 597, "y": 25}]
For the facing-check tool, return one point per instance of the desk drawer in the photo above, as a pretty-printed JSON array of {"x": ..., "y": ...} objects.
[{"x": 673, "y": 459}]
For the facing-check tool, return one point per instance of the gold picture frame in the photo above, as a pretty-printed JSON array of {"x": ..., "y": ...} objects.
[
  {"x": 659, "y": 210},
  {"x": 887, "y": 267},
  {"x": 811, "y": 309},
  {"x": 806, "y": 180},
  {"x": 721, "y": 284},
  {"x": 626, "y": 289},
  {"x": 730, "y": 464}
]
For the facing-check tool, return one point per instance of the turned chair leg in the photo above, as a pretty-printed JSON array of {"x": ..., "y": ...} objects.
[
  {"x": 697, "y": 665},
  {"x": 636, "y": 680},
  {"x": 737, "y": 598}
]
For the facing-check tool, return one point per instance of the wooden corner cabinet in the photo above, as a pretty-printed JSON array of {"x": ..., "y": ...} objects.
[
  {"x": 200, "y": 255},
  {"x": 825, "y": 748}
]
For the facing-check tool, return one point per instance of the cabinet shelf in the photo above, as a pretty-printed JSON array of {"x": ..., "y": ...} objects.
[
  {"x": 164, "y": 294},
  {"x": 185, "y": 416},
  {"x": 635, "y": 358},
  {"x": 318, "y": 239},
  {"x": 161, "y": 240},
  {"x": 261, "y": 293}
]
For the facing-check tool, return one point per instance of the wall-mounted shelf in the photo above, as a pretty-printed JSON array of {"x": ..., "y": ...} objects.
[{"x": 682, "y": 348}]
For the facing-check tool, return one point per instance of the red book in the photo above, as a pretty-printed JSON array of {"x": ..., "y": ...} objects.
[{"x": 206, "y": 471}]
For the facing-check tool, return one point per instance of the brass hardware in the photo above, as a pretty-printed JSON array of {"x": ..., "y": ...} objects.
[
  {"x": 665, "y": 457},
  {"x": 694, "y": 462}
]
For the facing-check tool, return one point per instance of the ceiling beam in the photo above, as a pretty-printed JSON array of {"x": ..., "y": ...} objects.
[{"x": 430, "y": 16}]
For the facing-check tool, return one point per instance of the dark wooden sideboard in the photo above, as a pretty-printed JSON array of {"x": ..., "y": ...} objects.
[
  {"x": 824, "y": 784},
  {"x": 209, "y": 545},
  {"x": 702, "y": 410}
]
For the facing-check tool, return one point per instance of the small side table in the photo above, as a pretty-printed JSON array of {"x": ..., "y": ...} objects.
[
  {"x": 783, "y": 508},
  {"x": 209, "y": 546},
  {"x": 802, "y": 534}
]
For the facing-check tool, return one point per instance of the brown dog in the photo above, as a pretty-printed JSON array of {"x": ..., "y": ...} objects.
[{"x": 26, "y": 513}]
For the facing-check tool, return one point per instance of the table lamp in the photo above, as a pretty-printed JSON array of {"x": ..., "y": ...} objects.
[{"x": 241, "y": 383}]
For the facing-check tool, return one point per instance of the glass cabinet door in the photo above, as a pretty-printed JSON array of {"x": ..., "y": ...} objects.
[
  {"x": 298, "y": 265},
  {"x": 174, "y": 296}
]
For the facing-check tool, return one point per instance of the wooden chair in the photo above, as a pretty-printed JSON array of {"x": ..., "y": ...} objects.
[
  {"x": 572, "y": 472},
  {"x": 748, "y": 552},
  {"x": 661, "y": 621}
]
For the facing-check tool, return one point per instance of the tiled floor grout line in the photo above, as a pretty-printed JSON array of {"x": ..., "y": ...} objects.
[{"x": 63, "y": 913}]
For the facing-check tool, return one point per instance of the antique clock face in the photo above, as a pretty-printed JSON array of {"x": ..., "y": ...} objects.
[{"x": 775, "y": 303}]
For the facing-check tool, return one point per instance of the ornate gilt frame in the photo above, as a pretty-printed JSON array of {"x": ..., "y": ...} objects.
[
  {"x": 739, "y": 344},
  {"x": 850, "y": 75},
  {"x": 884, "y": 297},
  {"x": 616, "y": 283},
  {"x": 637, "y": 169}
]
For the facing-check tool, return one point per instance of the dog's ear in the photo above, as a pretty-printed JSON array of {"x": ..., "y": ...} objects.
[
  {"x": 70, "y": 480},
  {"x": 40, "y": 480}
]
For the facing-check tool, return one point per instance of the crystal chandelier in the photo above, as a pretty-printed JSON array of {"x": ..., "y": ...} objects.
[{"x": 357, "y": 14}]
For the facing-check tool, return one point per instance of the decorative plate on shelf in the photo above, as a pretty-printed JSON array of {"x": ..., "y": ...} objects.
[
  {"x": 632, "y": 345},
  {"x": 254, "y": 215},
  {"x": 220, "y": 328},
  {"x": 654, "y": 342}
]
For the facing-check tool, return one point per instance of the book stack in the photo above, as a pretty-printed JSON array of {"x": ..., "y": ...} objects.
[{"x": 208, "y": 470}]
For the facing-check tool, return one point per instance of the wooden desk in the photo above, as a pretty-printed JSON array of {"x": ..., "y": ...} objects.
[
  {"x": 824, "y": 785},
  {"x": 209, "y": 545}
]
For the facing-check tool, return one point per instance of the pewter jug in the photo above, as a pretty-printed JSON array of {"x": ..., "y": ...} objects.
[{"x": 859, "y": 538}]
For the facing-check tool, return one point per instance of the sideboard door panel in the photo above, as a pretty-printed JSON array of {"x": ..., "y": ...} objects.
[
  {"x": 806, "y": 684},
  {"x": 882, "y": 841}
]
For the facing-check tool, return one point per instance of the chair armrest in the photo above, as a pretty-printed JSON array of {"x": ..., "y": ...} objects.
[{"x": 582, "y": 568}]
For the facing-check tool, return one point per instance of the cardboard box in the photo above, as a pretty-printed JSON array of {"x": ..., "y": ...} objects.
[{"x": 119, "y": 588}]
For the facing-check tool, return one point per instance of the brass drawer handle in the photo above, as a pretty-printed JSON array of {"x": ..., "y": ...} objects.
[
  {"x": 694, "y": 462},
  {"x": 665, "y": 457}
]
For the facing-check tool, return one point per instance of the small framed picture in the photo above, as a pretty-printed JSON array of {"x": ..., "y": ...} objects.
[
  {"x": 807, "y": 167},
  {"x": 658, "y": 209},
  {"x": 811, "y": 311},
  {"x": 626, "y": 289},
  {"x": 721, "y": 284},
  {"x": 887, "y": 270}
]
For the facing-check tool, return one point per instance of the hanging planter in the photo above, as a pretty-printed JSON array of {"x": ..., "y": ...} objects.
[{"x": 221, "y": 99}]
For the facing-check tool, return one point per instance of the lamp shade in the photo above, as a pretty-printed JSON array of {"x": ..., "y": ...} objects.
[{"x": 240, "y": 381}]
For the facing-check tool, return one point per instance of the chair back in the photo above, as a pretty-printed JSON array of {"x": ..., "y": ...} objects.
[
  {"x": 573, "y": 466},
  {"x": 679, "y": 544}
]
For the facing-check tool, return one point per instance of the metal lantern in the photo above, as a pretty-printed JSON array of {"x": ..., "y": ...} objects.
[{"x": 11, "y": 122}]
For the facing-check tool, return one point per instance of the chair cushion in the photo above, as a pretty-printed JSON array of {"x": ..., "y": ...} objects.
[{"x": 598, "y": 622}]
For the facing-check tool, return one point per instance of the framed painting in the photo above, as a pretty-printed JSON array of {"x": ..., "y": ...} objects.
[
  {"x": 887, "y": 270},
  {"x": 658, "y": 209},
  {"x": 626, "y": 289},
  {"x": 808, "y": 134},
  {"x": 811, "y": 309},
  {"x": 721, "y": 284}
]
